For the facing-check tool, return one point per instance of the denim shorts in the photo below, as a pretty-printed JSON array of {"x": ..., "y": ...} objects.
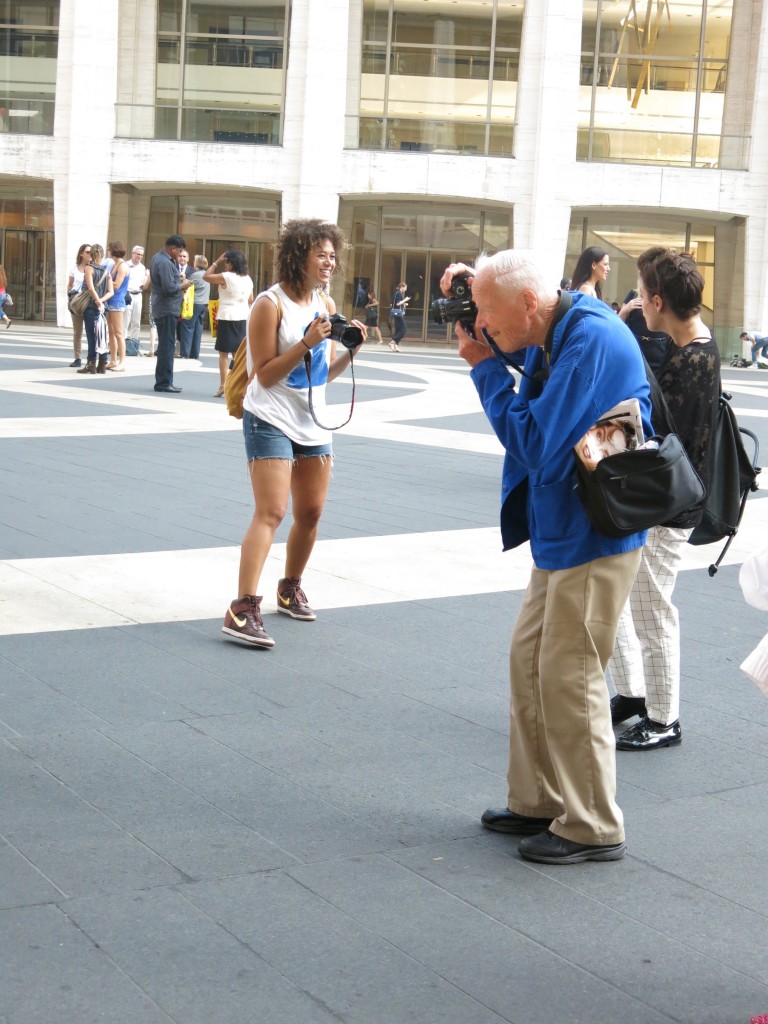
[{"x": 264, "y": 441}]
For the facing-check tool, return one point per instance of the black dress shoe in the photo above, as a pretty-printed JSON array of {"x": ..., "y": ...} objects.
[
  {"x": 623, "y": 708},
  {"x": 76, "y": 362},
  {"x": 648, "y": 735},
  {"x": 547, "y": 848},
  {"x": 170, "y": 389},
  {"x": 499, "y": 819}
]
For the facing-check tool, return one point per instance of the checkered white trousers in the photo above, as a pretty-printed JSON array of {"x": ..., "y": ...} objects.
[{"x": 646, "y": 656}]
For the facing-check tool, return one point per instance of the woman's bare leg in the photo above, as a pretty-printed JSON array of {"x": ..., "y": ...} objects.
[
  {"x": 309, "y": 489},
  {"x": 271, "y": 483}
]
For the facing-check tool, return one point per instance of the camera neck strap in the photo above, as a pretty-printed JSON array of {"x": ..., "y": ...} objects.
[
  {"x": 308, "y": 368},
  {"x": 564, "y": 303}
]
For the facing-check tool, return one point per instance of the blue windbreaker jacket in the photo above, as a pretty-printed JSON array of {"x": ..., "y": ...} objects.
[{"x": 595, "y": 364}]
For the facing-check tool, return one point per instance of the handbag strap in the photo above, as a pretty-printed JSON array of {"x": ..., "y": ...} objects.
[{"x": 659, "y": 403}]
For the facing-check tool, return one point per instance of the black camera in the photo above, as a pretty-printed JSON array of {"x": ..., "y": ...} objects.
[
  {"x": 345, "y": 332},
  {"x": 460, "y": 308}
]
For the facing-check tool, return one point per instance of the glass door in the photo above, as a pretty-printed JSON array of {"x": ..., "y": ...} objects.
[{"x": 31, "y": 274}]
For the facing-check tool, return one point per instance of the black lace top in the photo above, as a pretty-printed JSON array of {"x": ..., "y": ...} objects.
[{"x": 689, "y": 378}]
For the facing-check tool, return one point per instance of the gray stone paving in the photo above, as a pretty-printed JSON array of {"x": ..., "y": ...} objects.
[{"x": 192, "y": 832}]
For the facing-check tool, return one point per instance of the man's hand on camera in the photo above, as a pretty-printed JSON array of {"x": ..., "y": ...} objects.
[
  {"x": 451, "y": 272},
  {"x": 472, "y": 350}
]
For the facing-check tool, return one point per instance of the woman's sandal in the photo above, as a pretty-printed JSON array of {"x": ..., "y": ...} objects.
[{"x": 219, "y": 393}]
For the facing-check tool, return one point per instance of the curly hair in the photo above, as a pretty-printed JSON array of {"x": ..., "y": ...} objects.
[
  {"x": 237, "y": 261},
  {"x": 583, "y": 269},
  {"x": 674, "y": 277},
  {"x": 296, "y": 241}
]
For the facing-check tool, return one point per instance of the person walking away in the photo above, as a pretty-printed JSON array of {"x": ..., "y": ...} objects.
[
  {"x": 645, "y": 667},
  {"x": 372, "y": 317},
  {"x": 74, "y": 287},
  {"x": 289, "y": 454},
  {"x": 168, "y": 287},
  {"x": 399, "y": 307},
  {"x": 562, "y": 760},
  {"x": 235, "y": 296}
]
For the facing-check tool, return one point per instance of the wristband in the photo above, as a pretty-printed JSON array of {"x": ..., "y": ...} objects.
[{"x": 306, "y": 346}]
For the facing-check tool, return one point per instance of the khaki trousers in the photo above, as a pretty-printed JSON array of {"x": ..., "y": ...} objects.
[{"x": 562, "y": 751}]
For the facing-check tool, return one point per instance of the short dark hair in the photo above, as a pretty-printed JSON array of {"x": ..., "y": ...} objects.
[
  {"x": 674, "y": 277},
  {"x": 297, "y": 240},
  {"x": 237, "y": 261},
  {"x": 117, "y": 249},
  {"x": 175, "y": 242}
]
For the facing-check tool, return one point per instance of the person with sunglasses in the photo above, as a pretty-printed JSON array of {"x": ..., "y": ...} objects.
[{"x": 74, "y": 287}]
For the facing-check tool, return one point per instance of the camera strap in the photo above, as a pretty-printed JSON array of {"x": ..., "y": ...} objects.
[
  {"x": 308, "y": 368},
  {"x": 564, "y": 303}
]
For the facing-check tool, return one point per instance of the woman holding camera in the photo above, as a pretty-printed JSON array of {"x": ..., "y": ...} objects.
[{"x": 289, "y": 454}]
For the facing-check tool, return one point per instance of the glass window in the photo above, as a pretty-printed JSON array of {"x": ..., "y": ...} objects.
[
  {"x": 653, "y": 82},
  {"x": 220, "y": 71},
  {"x": 414, "y": 242},
  {"x": 29, "y": 45},
  {"x": 425, "y": 76}
]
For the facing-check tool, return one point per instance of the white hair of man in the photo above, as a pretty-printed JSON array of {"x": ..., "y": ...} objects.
[{"x": 517, "y": 270}]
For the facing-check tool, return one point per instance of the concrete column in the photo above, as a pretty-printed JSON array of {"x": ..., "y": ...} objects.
[
  {"x": 756, "y": 239},
  {"x": 84, "y": 127},
  {"x": 547, "y": 120},
  {"x": 315, "y": 107}
]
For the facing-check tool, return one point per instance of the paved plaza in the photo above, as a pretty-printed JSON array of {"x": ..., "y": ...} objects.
[{"x": 198, "y": 833}]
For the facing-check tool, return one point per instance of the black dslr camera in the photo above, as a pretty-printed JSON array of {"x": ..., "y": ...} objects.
[
  {"x": 460, "y": 308},
  {"x": 345, "y": 332}
]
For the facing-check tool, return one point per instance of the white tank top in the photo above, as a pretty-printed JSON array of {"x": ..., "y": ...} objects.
[{"x": 285, "y": 405}]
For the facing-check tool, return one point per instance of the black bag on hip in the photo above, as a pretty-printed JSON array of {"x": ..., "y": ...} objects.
[{"x": 635, "y": 490}]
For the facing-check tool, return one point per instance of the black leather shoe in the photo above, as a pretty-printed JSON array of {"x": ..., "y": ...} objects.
[
  {"x": 547, "y": 848},
  {"x": 623, "y": 708},
  {"x": 648, "y": 735},
  {"x": 171, "y": 389},
  {"x": 499, "y": 819}
]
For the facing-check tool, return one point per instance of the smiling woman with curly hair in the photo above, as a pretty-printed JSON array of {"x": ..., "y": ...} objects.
[{"x": 289, "y": 454}]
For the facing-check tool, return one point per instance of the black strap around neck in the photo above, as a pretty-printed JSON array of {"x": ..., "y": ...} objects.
[{"x": 564, "y": 303}]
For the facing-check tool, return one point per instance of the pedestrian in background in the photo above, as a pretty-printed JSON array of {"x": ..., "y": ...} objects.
[
  {"x": 235, "y": 296},
  {"x": 74, "y": 287}
]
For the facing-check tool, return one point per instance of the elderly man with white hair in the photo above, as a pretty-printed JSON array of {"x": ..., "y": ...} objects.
[{"x": 578, "y": 361}]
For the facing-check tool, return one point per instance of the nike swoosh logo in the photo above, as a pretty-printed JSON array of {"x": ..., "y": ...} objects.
[
  {"x": 237, "y": 622},
  {"x": 284, "y": 600}
]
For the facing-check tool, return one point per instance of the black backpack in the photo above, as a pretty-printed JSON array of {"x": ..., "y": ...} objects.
[{"x": 733, "y": 475}]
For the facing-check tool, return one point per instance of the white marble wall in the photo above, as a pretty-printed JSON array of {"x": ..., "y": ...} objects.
[{"x": 100, "y": 48}]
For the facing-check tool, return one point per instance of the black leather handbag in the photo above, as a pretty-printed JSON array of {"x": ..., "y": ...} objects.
[{"x": 635, "y": 490}]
